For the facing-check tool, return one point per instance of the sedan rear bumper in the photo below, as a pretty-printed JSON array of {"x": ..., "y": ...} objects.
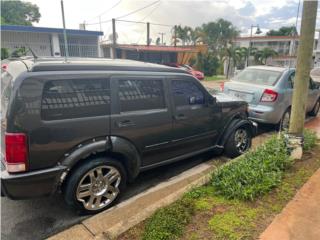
[
  {"x": 31, "y": 184},
  {"x": 264, "y": 114}
]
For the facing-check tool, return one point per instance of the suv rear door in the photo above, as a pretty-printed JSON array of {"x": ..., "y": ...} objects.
[
  {"x": 196, "y": 122},
  {"x": 141, "y": 114}
]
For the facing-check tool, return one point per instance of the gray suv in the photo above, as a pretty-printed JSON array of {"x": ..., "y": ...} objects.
[
  {"x": 268, "y": 90},
  {"x": 86, "y": 127}
]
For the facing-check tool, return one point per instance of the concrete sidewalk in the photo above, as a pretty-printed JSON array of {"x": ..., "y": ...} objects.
[{"x": 300, "y": 219}]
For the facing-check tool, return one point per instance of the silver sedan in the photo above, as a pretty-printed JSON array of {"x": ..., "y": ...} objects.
[{"x": 268, "y": 90}]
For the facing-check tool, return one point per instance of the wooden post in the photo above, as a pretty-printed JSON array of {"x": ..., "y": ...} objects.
[{"x": 302, "y": 76}]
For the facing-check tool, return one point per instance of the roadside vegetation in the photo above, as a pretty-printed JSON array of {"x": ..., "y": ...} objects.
[
  {"x": 215, "y": 78},
  {"x": 241, "y": 199}
]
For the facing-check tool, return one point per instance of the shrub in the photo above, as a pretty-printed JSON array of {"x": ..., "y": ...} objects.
[
  {"x": 254, "y": 173},
  {"x": 310, "y": 139},
  {"x": 168, "y": 223},
  {"x": 4, "y": 53}
]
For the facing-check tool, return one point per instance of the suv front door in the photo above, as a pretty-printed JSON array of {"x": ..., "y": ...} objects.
[
  {"x": 195, "y": 120},
  {"x": 141, "y": 114}
]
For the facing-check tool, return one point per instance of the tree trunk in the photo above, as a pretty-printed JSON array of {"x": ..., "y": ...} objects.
[{"x": 301, "y": 82}]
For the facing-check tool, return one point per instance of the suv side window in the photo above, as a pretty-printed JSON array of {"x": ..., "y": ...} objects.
[
  {"x": 76, "y": 98},
  {"x": 135, "y": 95},
  {"x": 186, "y": 93}
]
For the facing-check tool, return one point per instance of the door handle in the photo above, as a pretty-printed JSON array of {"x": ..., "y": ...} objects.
[
  {"x": 180, "y": 117},
  {"x": 125, "y": 123}
]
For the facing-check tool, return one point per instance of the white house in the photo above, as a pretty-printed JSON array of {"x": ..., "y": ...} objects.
[{"x": 50, "y": 42}]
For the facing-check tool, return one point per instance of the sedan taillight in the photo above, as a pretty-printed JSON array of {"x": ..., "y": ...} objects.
[
  {"x": 269, "y": 96},
  {"x": 16, "y": 152}
]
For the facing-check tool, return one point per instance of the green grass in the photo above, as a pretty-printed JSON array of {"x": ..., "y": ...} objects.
[
  {"x": 169, "y": 222},
  {"x": 310, "y": 139},
  {"x": 227, "y": 214},
  {"x": 215, "y": 78},
  {"x": 254, "y": 173}
]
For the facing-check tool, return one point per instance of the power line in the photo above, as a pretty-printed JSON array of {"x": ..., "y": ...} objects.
[
  {"x": 128, "y": 14},
  {"x": 108, "y": 10},
  {"x": 139, "y": 9}
]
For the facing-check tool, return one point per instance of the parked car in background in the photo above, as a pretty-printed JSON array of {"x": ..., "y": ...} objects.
[
  {"x": 197, "y": 74},
  {"x": 89, "y": 126},
  {"x": 268, "y": 90}
]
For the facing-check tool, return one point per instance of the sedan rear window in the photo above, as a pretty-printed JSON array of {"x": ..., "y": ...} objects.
[{"x": 258, "y": 76}]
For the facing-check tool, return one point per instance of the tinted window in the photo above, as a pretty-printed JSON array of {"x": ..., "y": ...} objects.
[
  {"x": 186, "y": 93},
  {"x": 63, "y": 99},
  {"x": 258, "y": 76},
  {"x": 141, "y": 95}
]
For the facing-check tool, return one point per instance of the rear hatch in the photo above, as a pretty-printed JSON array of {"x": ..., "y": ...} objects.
[
  {"x": 10, "y": 69},
  {"x": 251, "y": 83}
]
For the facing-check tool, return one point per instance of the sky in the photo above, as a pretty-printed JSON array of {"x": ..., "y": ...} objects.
[{"x": 268, "y": 14}]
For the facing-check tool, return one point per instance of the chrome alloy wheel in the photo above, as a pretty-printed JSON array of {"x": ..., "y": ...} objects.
[
  {"x": 241, "y": 140},
  {"x": 99, "y": 187}
]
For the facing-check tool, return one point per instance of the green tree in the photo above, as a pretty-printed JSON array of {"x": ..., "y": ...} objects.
[
  {"x": 232, "y": 55},
  {"x": 19, "y": 13},
  {"x": 219, "y": 34},
  {"x": 4, "y": 53},
  {"x": 283, "y": 31},
  {"x": 207, "y": 63},
  {"x": 261, "y": 56}
]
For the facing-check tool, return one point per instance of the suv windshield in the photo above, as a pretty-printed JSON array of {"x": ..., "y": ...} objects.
[{"x": 258, "y": 76}]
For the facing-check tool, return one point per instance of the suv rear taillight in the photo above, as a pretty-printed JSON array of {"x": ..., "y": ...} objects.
[
  {"x": 269, "y": 96},
  {"x": 16, "y": 152}
]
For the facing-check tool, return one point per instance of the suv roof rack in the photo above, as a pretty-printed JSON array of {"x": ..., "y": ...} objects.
[{"x": 58, "y": 64}]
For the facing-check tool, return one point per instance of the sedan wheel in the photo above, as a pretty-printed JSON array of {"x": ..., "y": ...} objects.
[
  {"x": 285, "y": 121},
  {"x": 99, "y": 187}
]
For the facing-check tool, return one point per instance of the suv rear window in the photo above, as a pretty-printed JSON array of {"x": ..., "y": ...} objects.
[
  {"x": 65, "y": 99},
  {"x": 137, "y": 95},
  {"x": 258, "y": 76}
]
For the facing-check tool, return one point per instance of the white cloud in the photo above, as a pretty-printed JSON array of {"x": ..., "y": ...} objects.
[{"x": 242, "y": 13}]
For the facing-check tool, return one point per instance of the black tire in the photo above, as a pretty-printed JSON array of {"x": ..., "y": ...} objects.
[
  {"x": 72, "y": 184},
  {"x": 283, "y": 125},
  {"x": 315, "y": 109},
  {"x": 231, "y": 149}
]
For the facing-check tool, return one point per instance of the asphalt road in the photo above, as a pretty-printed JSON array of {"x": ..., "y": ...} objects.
[{"x": 40, "y": 218}]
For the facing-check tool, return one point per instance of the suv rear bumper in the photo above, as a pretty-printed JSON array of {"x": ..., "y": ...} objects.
[{"x": 31, "y": 184}]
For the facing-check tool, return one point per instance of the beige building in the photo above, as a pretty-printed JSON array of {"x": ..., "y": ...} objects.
[{"x": 285, "y": 46}]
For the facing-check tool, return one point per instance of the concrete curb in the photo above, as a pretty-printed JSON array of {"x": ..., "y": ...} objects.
[{"x": 118, "y": 219}]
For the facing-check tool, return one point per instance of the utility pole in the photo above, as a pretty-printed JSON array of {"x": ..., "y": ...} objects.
[
  {"x": 114, "y": 38},
  {"x": 148, "y": 33},
  {"x": 301, "y": 82},
  {"x": 161, "y": 33},
  {"x": 66, "y": 49},
  {"x": 175, "y": 35},
  {"x": 100, "y": 23}
]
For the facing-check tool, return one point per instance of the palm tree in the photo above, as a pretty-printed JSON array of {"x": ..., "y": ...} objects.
[
  {"x": 261, "y": 56},
  {"x": 181, "y": 34},
  {"x": 232, "y": 55}
]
